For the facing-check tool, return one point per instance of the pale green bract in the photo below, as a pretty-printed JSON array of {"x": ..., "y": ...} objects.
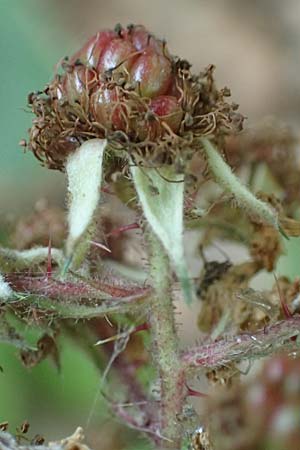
[
  {"x": 161, "y": 192},
  {"x": 84, "y": 172}
]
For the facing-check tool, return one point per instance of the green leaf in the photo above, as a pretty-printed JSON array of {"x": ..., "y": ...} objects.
[{"x": 161, "y": 193}]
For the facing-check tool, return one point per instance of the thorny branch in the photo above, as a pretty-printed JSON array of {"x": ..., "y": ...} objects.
[
  {"x": 73, "y": 299},
  {"x": 248, "y": 346}
]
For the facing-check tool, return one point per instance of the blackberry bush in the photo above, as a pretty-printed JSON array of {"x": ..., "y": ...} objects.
[{"x": 126, "y": 119}]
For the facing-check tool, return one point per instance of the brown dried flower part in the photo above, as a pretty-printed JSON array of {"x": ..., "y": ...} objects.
[
  {"x": 125, "y": 86},
  {"x": 224, "y": 376},
  {"x": 46, "y": 346},
  {"x": 221, "y": 298},
  {"x": 230, "y": 305},
  {"x": 3, "y": 426},
  {"x": 265, "y": 247},
  {"x": 201, "y": 440},
  {"x": 25, "y": 427},
  {"x": 263, "y": 414}
]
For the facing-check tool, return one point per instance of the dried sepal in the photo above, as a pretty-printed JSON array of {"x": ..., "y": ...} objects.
[{"x": 45, "y": 347}]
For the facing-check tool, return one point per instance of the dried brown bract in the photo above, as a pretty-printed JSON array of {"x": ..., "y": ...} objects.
[
  {"x": 221, "y": 297},
  {"x": 265, "y": 247},
  {"x": 261, "y": 414},
  {"x": 46, "y": 346}
]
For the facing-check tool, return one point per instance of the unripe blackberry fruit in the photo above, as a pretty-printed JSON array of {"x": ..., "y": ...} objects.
[
  {"x": 118, "y": 54},
  {"x": 124, "y": 85},
  {"x": 90, "y": 53},
  {"x": 76, "y": 84},
  {"x": 152, "y": 73}
]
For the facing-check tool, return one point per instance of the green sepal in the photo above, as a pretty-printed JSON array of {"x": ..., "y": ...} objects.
[{"x": 161, "y": 193}]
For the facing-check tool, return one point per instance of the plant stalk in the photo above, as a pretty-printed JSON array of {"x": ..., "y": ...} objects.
[{"x": 165, "y": 346}]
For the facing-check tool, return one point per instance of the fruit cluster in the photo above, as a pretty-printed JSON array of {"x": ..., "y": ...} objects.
[{"x": 125, "y": 86}]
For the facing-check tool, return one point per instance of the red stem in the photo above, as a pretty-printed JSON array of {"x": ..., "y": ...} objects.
[{"x": 273, "y": 338}]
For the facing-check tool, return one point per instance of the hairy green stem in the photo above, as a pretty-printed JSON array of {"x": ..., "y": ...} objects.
[
  {"x": 230, "y": 183},
  {"x": 165, "y": 346}
]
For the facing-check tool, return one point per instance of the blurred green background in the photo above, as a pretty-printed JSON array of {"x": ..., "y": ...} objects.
[{"x": 255, "y": 46}]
